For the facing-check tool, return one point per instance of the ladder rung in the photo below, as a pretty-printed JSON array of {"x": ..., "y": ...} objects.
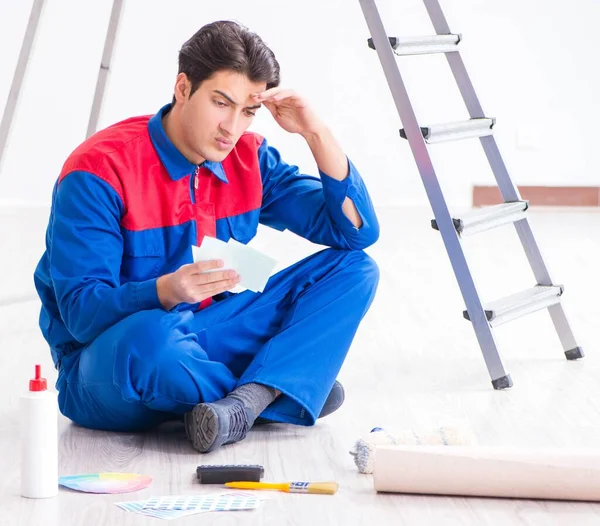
[
  {"x": 488, "y": 217},
  {"x": 521, "y": 303},
  {"x": 422, "y": 45},
  {"x": 455, "y": 131}
]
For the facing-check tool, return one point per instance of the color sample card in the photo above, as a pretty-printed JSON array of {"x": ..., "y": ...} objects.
[
  {"x": 106, "y": 482},
  {"x": 138, "y": 507},
  {"x": 175, "y": 506},
  {"x": 202, "y": 503}
]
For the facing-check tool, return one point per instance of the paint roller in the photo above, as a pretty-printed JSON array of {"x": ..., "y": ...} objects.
[{"x": 364, "y": 448}]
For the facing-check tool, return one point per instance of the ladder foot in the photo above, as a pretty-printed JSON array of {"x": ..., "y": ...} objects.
[
  {"x": 574, "y": 354},
  {"x": 504, "y": 382}
]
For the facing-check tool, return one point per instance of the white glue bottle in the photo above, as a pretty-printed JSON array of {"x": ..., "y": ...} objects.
[{"x": 39, "y": 440}]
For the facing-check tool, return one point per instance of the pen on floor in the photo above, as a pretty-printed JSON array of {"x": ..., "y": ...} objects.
[{"x": 323, "y": 488}]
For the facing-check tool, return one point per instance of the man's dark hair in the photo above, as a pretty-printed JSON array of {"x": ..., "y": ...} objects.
[{"x": 227, "y": 45}]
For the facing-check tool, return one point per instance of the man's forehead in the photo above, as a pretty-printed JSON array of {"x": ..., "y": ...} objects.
[{"x": 233, "y": 80}]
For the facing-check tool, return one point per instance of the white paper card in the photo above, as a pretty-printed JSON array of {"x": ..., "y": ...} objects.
[
  {"x": 253, "y": 266},
  {"x": 212, "y": 248}
]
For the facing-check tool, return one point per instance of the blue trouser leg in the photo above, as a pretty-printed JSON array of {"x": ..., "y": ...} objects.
[
  {"x": 142, "y": 371},
  {"x": 154, "y": 365}
]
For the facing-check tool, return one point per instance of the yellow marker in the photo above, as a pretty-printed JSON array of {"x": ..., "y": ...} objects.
[{"x": 323, "y": 488}]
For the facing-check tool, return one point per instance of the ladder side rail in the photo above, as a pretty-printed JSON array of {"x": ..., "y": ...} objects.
[
  {"x": 507, "y": 188},
  {"x": 442, "y": 215}
]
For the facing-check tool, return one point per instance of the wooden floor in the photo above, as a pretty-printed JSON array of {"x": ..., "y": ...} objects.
[{"x": 414, "y": 364}]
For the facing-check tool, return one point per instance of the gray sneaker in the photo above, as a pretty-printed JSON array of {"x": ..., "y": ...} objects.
[
  {"x": 209, "y": 426},
  {"x": 334, "y": 401}
]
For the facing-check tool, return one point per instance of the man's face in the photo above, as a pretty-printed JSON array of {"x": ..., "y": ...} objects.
[{"x": 217, "y": 114}]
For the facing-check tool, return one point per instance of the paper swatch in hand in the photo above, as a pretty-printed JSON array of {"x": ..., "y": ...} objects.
[{"x": 253, "y": 266}]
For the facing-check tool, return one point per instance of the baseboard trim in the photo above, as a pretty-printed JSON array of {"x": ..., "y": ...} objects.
[{"x": 584, "y": 196}]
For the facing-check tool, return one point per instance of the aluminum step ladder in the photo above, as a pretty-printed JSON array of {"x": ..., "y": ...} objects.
[{"x": 545, "y": 294}]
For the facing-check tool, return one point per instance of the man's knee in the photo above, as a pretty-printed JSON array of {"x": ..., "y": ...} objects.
[
  {"x": 152, "y": 356},
  {"x": 362, "y": 268},
  {"x": 154, "y": 335},
  {"x": 368, "y": 267}
]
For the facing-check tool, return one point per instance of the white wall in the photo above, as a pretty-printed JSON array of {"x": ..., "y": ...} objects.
[
  {"x": 534, "y": 65},
  {"x": 13, "y": 20},
  {"x": 54, "y": 106}
]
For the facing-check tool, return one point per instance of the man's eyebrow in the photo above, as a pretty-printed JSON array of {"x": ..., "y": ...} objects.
[{"x": 225, "y": 96}]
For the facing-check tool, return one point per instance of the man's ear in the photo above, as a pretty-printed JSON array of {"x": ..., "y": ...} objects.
[{"x": 182, "y": 88}]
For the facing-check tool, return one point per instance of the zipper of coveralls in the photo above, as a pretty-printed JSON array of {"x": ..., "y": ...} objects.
[{"x": 194, "y": 184}]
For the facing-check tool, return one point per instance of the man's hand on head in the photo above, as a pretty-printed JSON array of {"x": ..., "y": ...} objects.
[{"x": 291, "y": 111}]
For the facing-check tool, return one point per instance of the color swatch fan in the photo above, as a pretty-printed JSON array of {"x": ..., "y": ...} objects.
[{"x": 106, "y": 482}]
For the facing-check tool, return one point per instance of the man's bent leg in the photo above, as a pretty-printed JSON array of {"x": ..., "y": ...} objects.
[
  {"x": 144, "y": 370},
  {"x": 295, "y": 335},
  {"x": 304, "y": 358}
]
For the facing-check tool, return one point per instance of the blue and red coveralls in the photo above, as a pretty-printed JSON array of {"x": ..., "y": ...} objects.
[{"x": 125, "y": 210}]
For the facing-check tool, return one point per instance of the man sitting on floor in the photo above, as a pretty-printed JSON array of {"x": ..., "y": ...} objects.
[{"x": 140, "y": 334}]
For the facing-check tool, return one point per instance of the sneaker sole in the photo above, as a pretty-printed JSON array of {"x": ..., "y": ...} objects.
[{"x": 205, "y": 429}]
